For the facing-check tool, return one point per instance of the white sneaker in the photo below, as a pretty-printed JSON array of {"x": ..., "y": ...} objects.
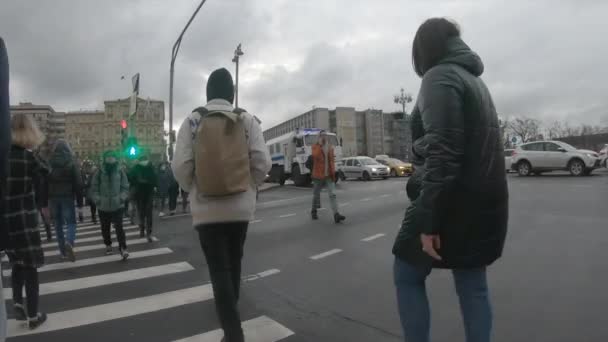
[{"x": 161, "y": 214}]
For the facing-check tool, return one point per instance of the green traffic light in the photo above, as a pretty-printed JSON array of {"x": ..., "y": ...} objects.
[{"x": 132, "y": 151}]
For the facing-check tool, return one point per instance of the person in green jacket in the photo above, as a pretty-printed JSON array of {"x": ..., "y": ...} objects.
[{"x": 109, "y": 191}]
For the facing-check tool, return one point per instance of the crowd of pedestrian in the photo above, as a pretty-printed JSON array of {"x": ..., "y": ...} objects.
[{"x": 457, "y": 218}]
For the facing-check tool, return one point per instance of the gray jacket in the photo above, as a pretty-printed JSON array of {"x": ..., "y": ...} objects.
[{"x": 109, "y": 190}]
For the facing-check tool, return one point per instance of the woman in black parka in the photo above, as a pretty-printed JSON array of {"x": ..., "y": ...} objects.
[{"x": 458, "y": 214}]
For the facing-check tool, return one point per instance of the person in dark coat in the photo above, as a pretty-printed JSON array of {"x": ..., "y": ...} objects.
[
  {"x": 143, "y": 181},
  {"x": 24, "y": 248},
  {"x": 165, "y": 178},
  {"x": 88, "y": 171},
  {"x": 65, "y": 185},
  {"x": 458, "y": 214},
  {"x": 5, "y": 146},
  {"x": 41, "y": 185}
]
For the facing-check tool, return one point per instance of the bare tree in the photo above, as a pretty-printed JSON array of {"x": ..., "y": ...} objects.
[{"x": 527, "y": 129}]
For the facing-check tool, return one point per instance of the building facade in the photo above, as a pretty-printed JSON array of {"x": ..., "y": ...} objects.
[
  {"x": 370, "y": 132},
  {"x": 50, "y": 122},
  {"x": 91, "y": 133}
]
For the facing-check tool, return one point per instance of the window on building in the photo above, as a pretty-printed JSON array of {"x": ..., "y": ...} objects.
[
  {"x": 277, "y": 147},
  {"x": 271, "y": 149}
]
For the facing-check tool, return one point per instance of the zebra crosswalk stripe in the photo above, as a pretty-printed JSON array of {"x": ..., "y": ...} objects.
[
  {"x": 88, "y": 239},
  {"x": 96, "y": 247},
  {"x": 97, "y": 260},
  {"x": 260, "y": 329}
]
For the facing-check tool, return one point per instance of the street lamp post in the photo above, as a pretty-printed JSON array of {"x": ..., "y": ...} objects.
[
  {"x": 237, "y": 55},
  {"x": 176, "y": 46},
  {"x": 403, "y": 99}
]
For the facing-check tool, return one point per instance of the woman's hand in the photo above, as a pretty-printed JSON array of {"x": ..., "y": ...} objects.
[{"x": 430, "y": 245}]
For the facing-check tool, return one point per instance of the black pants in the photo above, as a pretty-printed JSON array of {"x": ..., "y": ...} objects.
[
  {"x": 93, "y": 211},
  {"x": 173, "y": 193},
  {"x": 144, "y": 209},
  {"x": 223, "y": 244},
  {"x": 108, "y": 218},
  {"x": 184, "y": 200},
  {"x": 47, "y": 225},
  {"x": 26, "y": 276}
]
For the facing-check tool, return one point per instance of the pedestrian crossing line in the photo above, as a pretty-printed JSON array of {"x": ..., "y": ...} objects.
[
  {"x": 325, "y": 254},
  {"x": 84, "y": 227},
  {"x": 116, "y": 310},
  {"x": 260, "y": 329},
  {"x": 287, "y": 215},
  {"x": 108, "y": 279},
  {"x": 255, "y": 221},
  {"x": 97, "y": 260},
  {"x": 174, "y": 216},
  {"x": 373, "y": 237},
  {"x": 386, "y": 195},
  {"x": 95, "y": 247},
  {"x": 130, "y": 227},
  {"x": 88, "y": 239},
  {"x": 261, "y": 275},
  {"x": 344, "y": 204}
]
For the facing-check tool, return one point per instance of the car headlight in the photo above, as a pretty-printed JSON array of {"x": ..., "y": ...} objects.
[
  {"x": 402, "y": 167},
  {"x": 591, "y": 155},
  {"x": 374, "y": 169}
]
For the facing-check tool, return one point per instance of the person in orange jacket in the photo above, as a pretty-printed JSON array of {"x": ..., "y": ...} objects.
[{"x": 323, "y": 174}]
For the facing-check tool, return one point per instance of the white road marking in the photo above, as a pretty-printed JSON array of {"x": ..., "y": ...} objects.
[
  {"x": 325, "y": 254},
  {"x": 78, "y": 235},
  {"x": 287, "y": 215},
  {"x": 386, "y": 195},
  {"x": 97, "y": 260},
  {"x": 261, "y": 275},
  {"x": 373, "y": 237},
  {"x": 321, "y": 209},
  {"x": 174, "y": 216},
  {"x": 88, "y": 239},
  {"x": 344, "y": 204},
  {"x": 108, "y": 279},
  {"x": 95, "y": 247},
  {"x": 260, "y": 329},
  {"x": 255, "y": 221},
  {"x": 365, "y": 199},
  {"x": 111, "y": 311}
]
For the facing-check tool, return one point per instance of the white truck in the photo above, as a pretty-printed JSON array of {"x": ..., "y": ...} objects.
[{"x": 290, "y": 151}]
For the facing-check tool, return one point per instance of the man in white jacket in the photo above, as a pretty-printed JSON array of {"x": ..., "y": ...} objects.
[{"x": 222, "y": 222}]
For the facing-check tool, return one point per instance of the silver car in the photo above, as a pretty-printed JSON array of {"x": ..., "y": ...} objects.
[
  {"x": 364, "y": 168},
  {"x": 542, "y": 156}
]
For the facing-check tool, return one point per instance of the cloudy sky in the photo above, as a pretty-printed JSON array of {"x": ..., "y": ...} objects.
[{"x": 544, "y": 58}]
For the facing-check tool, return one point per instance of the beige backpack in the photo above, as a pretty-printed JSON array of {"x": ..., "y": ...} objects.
[{"x": 221, "y": 153}]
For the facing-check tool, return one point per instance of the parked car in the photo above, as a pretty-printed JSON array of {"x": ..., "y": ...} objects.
[
  {"x": 364, "y": 168},
  {"x": 543, "y": 156},
  {"x": 397, "y": 168},
  {"x": 604, "y": 156},
  {"x": 508, "y": 159}
]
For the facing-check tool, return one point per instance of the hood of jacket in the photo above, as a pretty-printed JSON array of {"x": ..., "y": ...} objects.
[
  {"x": 62, "y": 155},
  {"x": 460, "y": 53}
]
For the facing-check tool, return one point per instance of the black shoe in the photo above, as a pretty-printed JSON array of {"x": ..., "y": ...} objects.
[
  {"x": 149, "y": 236},
  {"x": 37, "y": 321},
  {"x": 339, "y": 218},
  {"x": 49, "y": 238},
  {"x": 314, "y": 215},
  {"x": 69, "y": 251},
  {"x": 19, "y": 311},
  {"x": 124, "y": 253}
]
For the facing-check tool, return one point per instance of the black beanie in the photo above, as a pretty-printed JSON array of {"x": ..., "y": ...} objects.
[{"x": 220, "y": 86}]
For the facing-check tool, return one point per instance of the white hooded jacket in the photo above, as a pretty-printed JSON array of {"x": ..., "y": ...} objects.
[{"x": 235, "y": 208}]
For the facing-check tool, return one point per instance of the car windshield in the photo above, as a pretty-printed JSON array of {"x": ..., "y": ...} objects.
[{"x": 368, "y": 161}]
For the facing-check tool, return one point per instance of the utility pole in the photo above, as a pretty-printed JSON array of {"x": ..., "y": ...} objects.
[
  {"x": 237, "y": 55},
  {"x": 403, "y": 99},
  {"x": 176, "y": 46}
]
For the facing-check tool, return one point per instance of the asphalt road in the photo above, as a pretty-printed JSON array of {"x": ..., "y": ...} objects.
[{"x": 318, "y": 281}]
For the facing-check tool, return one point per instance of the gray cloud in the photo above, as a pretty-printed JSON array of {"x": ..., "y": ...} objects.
[{"x": 543, "y": 58}]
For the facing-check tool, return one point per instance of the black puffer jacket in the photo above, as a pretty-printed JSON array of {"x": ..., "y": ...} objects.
[
  {"x": 65, "y": 180},
  {"x": 459, "y": 187}
]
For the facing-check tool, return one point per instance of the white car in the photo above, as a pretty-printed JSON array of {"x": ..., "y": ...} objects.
[
  {"x": 364, "y": 168},
  {"x": 543, "y": 156},
  {"x": 508, "y": 159},
  {"x": 604, "y": 156}
]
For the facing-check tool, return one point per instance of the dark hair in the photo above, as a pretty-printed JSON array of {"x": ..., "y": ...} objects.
[
  {"x": 430, "y": 43},
  {"x": 220, "y": 86}
]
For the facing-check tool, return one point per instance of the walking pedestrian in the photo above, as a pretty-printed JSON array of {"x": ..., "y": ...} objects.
[
  {"x": 5, "y": 146},
  {"x": 184, "y": 195},
  {"x": 130, "y": 204},
  {"x": 222, "y": 196},
  {"x": 324, "y": 174},
  {"x": 173, "y": 192},
  {"x": 65, "y": 185},
  {"x": 89, "y": 171},
  {"x": 109, "y": 190},
  {"x": 144, "y": 181},
  {"x": 41, "y": 186},
  {"x": 164, "y": 181},
  {"x": 458, "y": 214},
  {"x": 20, "y": 218}
]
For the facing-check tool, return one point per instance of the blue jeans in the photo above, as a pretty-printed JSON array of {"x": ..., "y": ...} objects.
[
  {"x": 64, "y": 211},
  {"x": 472, "y": 290},
  {"x": 331, "y": 192}
]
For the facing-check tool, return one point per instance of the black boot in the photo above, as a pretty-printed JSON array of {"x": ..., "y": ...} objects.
[
  {"x": 37, "y": 321},
  {"x": 314, "y": 214},
  {"x": 339, "y": 218}
]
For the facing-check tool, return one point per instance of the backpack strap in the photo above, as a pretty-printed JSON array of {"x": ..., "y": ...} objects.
[{"x": 202, "y": 111}]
